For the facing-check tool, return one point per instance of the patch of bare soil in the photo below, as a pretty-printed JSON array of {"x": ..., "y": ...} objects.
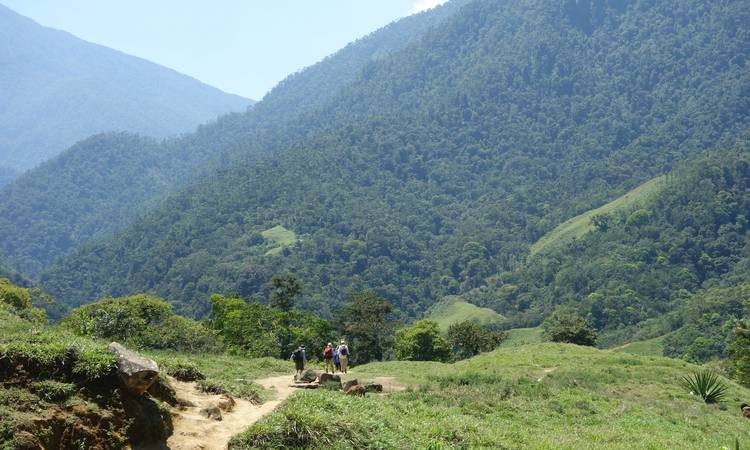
[{"x": 196, "y": 431}]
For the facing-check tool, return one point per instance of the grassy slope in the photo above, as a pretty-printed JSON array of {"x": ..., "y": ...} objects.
[
  {"x": 522, "y": 336},
  {"x": 581, "y": 224},
  {"x": 453, "y": 309},
  {"x": 533, "y": 396},
  {"x": 649, "y": 347},
  {"x": 279, "y": 237}
]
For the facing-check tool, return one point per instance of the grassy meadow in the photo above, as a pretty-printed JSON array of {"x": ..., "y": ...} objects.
[{"x": 530, "y": 396}]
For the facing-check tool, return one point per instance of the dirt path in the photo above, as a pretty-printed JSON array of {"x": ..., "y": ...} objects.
[{"x": 192, "y": 431}]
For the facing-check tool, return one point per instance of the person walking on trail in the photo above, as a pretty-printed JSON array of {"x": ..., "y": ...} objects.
[
  {"x": 328, "y": 357},
  {"x": 299, "y": 358},
  {"x": 343, "y": 356},
  {"x": 336, "y": 360}
]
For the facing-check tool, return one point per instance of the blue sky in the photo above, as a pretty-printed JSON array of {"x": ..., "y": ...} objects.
[{"x": 241, "y": 46}]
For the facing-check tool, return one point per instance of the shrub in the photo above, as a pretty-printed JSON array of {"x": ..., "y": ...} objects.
[
  {"x": 469, "y": 339},
  {"x": 707, "y": 384},
  {"x": 53, "y": 391},
  {"x": 421, "y": 342},
  {"x": 141, "y": 321},
  {"x": 184, "y": 370},
  {"x": 569, "y": 328}
]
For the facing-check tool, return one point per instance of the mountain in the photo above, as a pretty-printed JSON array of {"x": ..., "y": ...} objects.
[
  {"x": 7, "y": 175},
  {"x": 51, "y": 210},
  {"x": 446, "y": 160},
  {"x": 56, "y": 89}
]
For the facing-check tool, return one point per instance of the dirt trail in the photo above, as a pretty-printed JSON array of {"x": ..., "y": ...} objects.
[{"x": 192, "y": 431}]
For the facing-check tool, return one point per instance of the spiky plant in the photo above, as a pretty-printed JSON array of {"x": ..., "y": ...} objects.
[{"x": 707, "y": 384}]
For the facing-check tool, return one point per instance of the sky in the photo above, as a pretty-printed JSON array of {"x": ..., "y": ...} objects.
[{"x": 243, "y": 47}]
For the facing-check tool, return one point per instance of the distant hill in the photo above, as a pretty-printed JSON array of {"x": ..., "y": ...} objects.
[
  {"x": 7, "y": 175},
  {"x": 453, "y": 309},
  {"x": 101, "y": 184},
  {"x": 441, "y": 163},
  {"x": 56, "y": 89}
]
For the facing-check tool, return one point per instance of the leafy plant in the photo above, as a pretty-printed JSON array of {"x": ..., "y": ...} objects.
[
  {"x": 569, "y": 328},
  {"x": 54, "y": 391},
  {"x": 707, "y": 384}
]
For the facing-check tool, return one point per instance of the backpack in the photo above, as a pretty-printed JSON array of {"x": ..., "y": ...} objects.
[
  {"x": 297, "y": 355},
  {"x": 328, "y": 352},
  {"x": 344, "y": 351}
]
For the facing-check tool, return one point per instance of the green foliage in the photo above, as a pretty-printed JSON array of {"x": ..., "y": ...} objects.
[
  {"x": 739, "y": 352},
  {"x": 248, "y": 390},
  {"x": 20, "y": 301},
  {"x": 256, "y": 330},
  {"x": 142, "y": 321},
  {"x": 366, "y": 322},
  {"x": 284, "y": 288},
  {"x": 184, "y": 370},
  {"x": 706, "y": 384},
  {"x": 469, "y": 339},
  {"x": 569, "y": 328},
  {"x": 421, "y": 342},
  {"x": 54, "y": 391}
]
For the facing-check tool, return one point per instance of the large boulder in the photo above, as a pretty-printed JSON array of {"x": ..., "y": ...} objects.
[
  {"x": 136, "y": 373},
  {"x": 307, "y": 376}
]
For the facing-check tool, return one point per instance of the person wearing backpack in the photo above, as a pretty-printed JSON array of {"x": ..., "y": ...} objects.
[
  {"x": 336, "y": 359},
  {"x": 343, "y": 350},
  {"x": 299, "y": 358},
  {"x": 328, "y": 357}
]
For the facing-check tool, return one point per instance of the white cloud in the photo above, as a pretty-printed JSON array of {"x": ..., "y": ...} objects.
[{"x": 423, "y": 5}]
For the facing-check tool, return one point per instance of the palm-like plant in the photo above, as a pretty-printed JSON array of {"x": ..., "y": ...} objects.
[{"x": 707, "y": 384}]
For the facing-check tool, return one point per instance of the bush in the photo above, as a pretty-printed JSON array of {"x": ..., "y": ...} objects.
[
  {"x": 707, "y": 385},
  {"x": 54, "y": 391},
  {"x": 469, "y": 339},
  {"x": 184, "y": 370},
  {"x": 141, "y": 321},
  {"x": 569, "y": 328},
  {"x": 421, "y": 342}
]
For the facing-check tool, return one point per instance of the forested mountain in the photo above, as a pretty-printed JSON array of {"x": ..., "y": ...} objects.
[
  {"x": 56, "y": 89},
  {"x": 646, "y": 261},
  {"x": 456, "y": 154},
  {"x": 53, "y": 209}
]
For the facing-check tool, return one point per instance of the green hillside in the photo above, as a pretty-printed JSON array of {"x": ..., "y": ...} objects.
[
  {"x": 458, "y": 153},
  {"x": 52, "y": 209},
  {"x": 452, "y": 309},
  {"x": 578, "y": 226},
  {"x": 533, "y": 396}
]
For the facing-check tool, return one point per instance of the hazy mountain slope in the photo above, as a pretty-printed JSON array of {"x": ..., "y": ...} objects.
[
  {"x": 7, "y": 175},
  {"x": 460, "y": 151},
  {"x": 114, "y": 189},
  {"x": 56, "y": 89}
]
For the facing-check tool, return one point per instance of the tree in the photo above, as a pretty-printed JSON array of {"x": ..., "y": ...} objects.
[
  {"x": 569, "y": 328},
  {"x": 468, "y": 339},
  {"x": 284, "y": 288},
  {"x": 739, "y": 352},
  {"x": 421, "y": 342},
  {"x": 365, "y": 321}
]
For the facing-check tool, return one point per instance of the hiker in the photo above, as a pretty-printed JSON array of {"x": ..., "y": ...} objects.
[
  {"x": 328, "y": 357},
  {"x": 299, "y": 358},
  {"x": 336, "y": 360},
  {"x": 745, "y": 408},
  {"x": 343, "y": 356}
]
